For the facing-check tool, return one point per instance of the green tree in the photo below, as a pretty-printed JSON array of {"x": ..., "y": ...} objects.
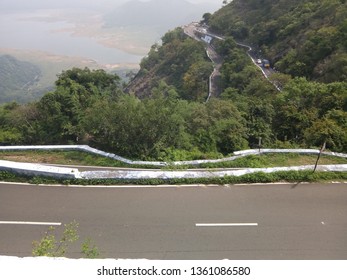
[
  {"x": 195, "y": 81},
  {"x": 62, "y": 111},
  {"x": 199, "y": 127},
  {"x": 138, "y": 128},
  {"x": 228, "y": 127},
  {"x": 113, "y": 125},
  {"x": 217, "y": 126},
  {"x": 327, "y": 130},
  {"x": 171, "y": 62},
  {"x": 9, "y": 134},
  {"x": 205, "y": 18},
  {"x": 259, "y": 122},
  {"x": 303, "y": 106},
  {"x": 86, "y": 82},
  {"x": 226, "y": 46}
]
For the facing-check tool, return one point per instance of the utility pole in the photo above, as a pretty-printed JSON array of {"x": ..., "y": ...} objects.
[
  {"x": 320, "y": 153},
  {"x": 259, "y": 144}
]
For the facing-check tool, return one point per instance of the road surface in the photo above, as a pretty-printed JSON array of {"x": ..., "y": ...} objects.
[
  {"x": 303, "y": 221},
  {"x": 215, "y": 78}
]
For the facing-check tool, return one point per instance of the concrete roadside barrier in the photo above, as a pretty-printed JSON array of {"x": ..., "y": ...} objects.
[{"x": 32, "y": 169}]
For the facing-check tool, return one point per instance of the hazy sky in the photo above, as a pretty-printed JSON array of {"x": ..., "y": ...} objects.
[{"x": 81, "y": 3}]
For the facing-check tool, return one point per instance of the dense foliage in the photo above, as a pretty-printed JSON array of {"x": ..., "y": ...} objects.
[
  {"x": 259, "y": 177},
  {"x": 89, "y": 107},
  {"x": 180, "y": 61},
  {"x": 301, "y": 37},
  {"x": 303, "y": 113}
]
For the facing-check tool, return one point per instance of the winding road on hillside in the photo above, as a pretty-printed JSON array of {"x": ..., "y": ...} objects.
[
  {"x": 285, "y": 221},
  {"x": 195, "y": 31},
  {"x": 198, "y": 32}
]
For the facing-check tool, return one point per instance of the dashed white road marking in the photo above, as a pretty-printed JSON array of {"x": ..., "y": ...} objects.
[
  {"x": 228, "y": 225},
  {"x": 29, "y": 223}
]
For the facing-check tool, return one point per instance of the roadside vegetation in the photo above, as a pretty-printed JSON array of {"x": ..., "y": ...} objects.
[
  {"x": 89, "y": 107},
  {"x": 276, "y": 160},
  {"x": 259, "y": 177}
]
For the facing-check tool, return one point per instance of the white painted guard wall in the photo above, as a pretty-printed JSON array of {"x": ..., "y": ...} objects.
[{"x": 32, "y": 169}]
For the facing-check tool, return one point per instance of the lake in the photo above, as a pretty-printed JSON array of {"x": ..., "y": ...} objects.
[{"x": 24, "y": 31}]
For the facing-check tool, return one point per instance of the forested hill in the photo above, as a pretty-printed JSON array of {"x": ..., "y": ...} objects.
[
  {"x": 179, "y": 61},
  {"x": 300, "y": 37},
  {"x": 305, "y": 40},
  {"x": 16, "y": 79}
]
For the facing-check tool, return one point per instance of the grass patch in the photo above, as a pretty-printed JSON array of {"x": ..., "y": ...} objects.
[
  {"x": 60, "y": 157},
  {"x": 83, "y": 158},
  {"x": 276, "y": 160}
]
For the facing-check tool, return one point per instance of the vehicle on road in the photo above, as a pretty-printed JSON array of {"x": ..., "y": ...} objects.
[
  {"x": 259, "y": 61},
  {"x": 266, "y": 63}
]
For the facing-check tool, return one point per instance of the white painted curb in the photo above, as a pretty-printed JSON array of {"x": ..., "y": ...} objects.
[{"x": 32, "y": 169}]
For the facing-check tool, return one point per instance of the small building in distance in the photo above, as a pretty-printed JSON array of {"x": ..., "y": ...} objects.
[{"x": 207, "y": 39}]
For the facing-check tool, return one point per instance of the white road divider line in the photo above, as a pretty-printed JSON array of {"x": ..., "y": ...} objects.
[
  {"x": 228, "y": 225},
  {"x": 29, "y": 223}
]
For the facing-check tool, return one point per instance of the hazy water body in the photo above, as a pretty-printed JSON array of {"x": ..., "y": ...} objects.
[{"x": 21, "y": 31}]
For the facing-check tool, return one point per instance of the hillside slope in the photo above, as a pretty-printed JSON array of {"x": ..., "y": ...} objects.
[
  {"x": 16, "y": 79},
  {"x": 305, "y": 39},
  {"x": 180, "y": 62},
  {"x": 300, "y": 37}
]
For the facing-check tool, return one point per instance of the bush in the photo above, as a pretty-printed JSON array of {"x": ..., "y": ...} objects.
[
  {"x": 259, "y": 177},
  {"x": 4, "y": 175}
]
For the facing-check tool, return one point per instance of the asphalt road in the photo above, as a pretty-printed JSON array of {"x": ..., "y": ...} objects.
[
  {"x": 304, "y": 221},
  {"x": 214, "y": 88}
]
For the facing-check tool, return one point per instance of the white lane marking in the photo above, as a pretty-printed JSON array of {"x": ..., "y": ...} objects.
[
  {"x": 29, "y": 223},
  {"x": 228, "y": 225}
]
